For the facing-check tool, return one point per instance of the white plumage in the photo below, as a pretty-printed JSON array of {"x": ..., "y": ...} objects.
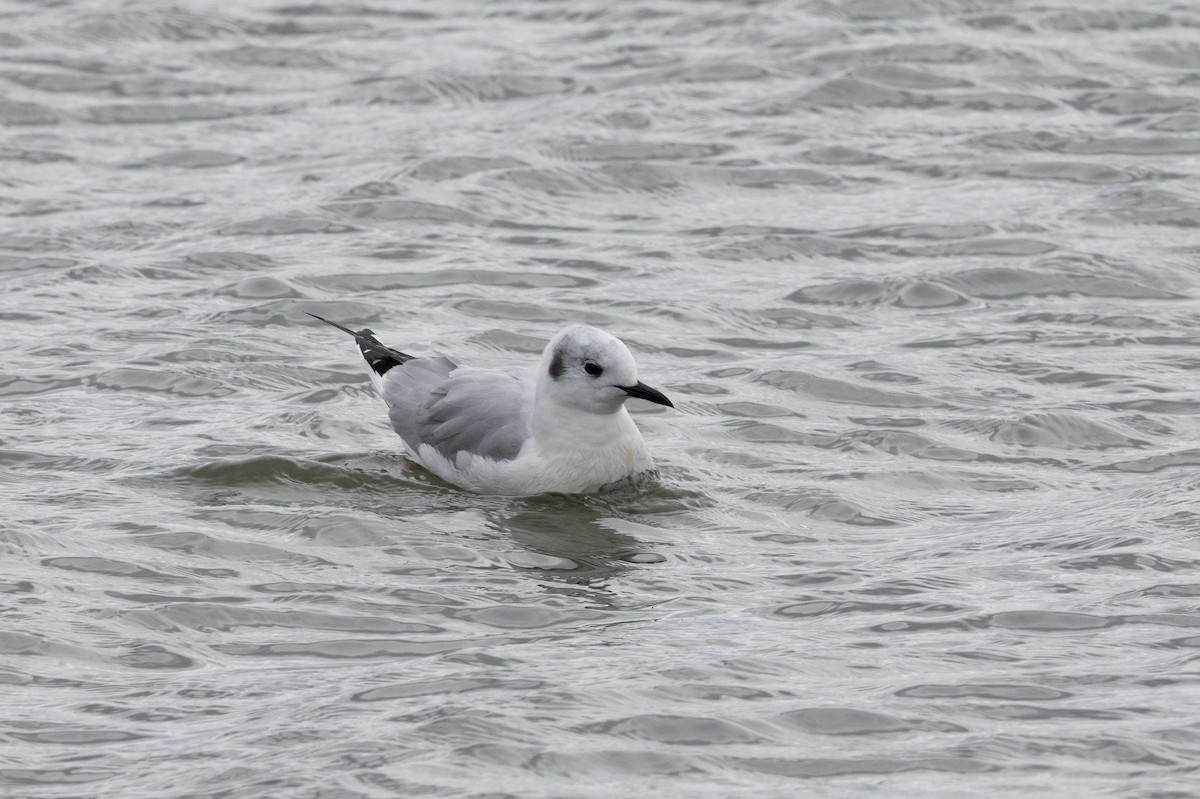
[{"x": 560, "y": 426}]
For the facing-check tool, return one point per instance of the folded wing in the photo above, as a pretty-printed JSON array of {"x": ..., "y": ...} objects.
[{"x": 431, "y": 401}]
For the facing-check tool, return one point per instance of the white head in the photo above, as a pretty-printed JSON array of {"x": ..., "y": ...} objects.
[{"x": 587, "y": 369}]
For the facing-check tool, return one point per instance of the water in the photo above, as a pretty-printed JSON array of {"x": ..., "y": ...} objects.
[{"x": 920, "y": 277}]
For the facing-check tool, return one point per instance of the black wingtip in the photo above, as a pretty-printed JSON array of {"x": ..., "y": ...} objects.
[
  {"x": 334, "y": 324},
  {"x": 377, "y": 356}
]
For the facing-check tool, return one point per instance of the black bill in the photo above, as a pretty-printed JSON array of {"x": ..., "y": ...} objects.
[{"x": 643, "y": 391}]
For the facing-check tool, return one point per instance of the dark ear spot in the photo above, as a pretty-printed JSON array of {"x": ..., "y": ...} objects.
[{"x": 557, "y": 365}]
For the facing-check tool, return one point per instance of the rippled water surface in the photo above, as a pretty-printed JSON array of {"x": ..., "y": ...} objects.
[{"x": 920, "y": 277}]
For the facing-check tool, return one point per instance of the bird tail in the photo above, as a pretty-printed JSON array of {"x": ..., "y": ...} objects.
[{"x": 377, "y": 356}]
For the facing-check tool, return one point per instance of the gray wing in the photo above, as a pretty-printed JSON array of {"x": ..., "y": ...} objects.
[{"x": 430, "y": 401}]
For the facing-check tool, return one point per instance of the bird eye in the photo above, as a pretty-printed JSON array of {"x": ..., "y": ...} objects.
[{"x": 592, "y": 368}]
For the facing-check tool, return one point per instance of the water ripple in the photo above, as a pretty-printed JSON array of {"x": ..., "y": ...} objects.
[{"x": 919, "y": 277}]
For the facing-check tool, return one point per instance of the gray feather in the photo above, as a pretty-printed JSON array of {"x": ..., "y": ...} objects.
[{"x": 431, "y": 401}]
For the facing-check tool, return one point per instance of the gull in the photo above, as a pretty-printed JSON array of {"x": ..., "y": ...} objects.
[{"x": 558, "y": 427}]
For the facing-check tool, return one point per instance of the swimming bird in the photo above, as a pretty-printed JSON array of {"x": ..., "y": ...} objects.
[{"x": 559, "y": 426}]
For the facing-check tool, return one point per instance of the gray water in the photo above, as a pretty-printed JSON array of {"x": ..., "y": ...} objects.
[{"x": 920, "y": 277}]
